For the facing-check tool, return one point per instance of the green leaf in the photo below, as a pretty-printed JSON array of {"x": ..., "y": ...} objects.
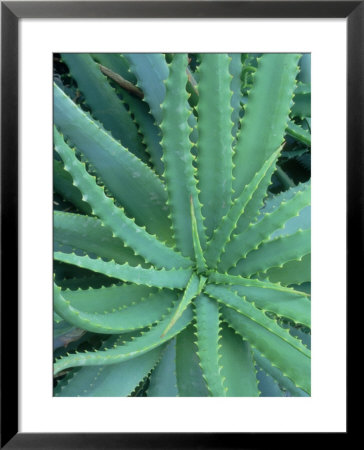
[
  {"x": 298, "y": 133},
  {"x": 228, "y": 223},
  {"x": 293, "y": 272},
  {"x": 265, "y": 228},
  {"x": 255, "y": 315},
  {"x": 149, "y": 130},
  {"x": 118, "y": 320},
  {"x": 235, "y": 69},
  {"x": 274, "y": 201},
  {"x": 117, "y": 380},
  {"x": 177, "y": 157},
  {"x": 65, "y": 273},
  {"x": 266, "y": 115},
  {"x": 199, "y": 257},
  {"x": 214, "y": 148},
  {"x": 192, "y": 89},
  {"x": 117, "y": 63},
  {"x": 293, "y": 363},
  {"x": 207, "y": 332},
  {"x": 138, "y": 346},
  {"x": 174, "y": 278},
  {"x": 302, "y": 105},
  {"x": 62, "y": 184},
  {"x": 193, "y": 288},
  {"x": 301, "y": 221},
  {"x": 89, "y": 234},
  {"x": 292, "y": 305},
  {"x": 190, "y": 381},
  {"x": 57, "y": 318},
  {"x": 132, "y": 235},
  {"x": 163, "y": 378},
  {"x": 274, "y": 253},
  {"x": 99, "y": 300},
  {"x": 270, "y": 297},
  {"x": 138, "y": 314},
  {"x": 303, "y": 334},
  {"x": 237, "y": 363},
  {"x": 119, "y": 170},
  {"x": 150, "y": 70},
  {"x": 305, "y": 69},
  {"x": 268, "y": 386},
  {"x": 275, "y": 373},
  {"x": 104, "y": 102}
]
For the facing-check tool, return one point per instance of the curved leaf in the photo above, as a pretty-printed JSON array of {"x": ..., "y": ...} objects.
[
  {"x": 134, "y": 236},
  {"x": 89, "y": 234},
  {"x": 148, "y": 340},
  {"x": 177, "y": 278},
  {"x": 104, "y": 102},
  {"x": 120, "y": 170},
  {"x": 282, "y": 218},
  {"x": 117, "y": 380},
  {"x": 293, "y": 363},
  {"x": 275, "y": 253}
]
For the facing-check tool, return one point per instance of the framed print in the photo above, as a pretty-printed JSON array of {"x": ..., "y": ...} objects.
[{"x": 156, "y": 184}]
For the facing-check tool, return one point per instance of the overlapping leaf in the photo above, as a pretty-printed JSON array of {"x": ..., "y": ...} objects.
[{"x": 171, "y": 203}]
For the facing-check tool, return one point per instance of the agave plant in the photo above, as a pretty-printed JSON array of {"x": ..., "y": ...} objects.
[{"x": 177, "y": 271}]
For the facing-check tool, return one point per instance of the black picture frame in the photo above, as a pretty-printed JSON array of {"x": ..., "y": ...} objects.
[{"x": 11, "y": 13}]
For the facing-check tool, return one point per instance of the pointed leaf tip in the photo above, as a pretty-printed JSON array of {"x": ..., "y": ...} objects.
[
  {"x": 193, "y": 289},
  {"x": 200, "y": 260}
]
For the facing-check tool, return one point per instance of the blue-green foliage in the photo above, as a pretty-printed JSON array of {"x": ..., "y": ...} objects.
[{"x": 182, "y": 225}]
